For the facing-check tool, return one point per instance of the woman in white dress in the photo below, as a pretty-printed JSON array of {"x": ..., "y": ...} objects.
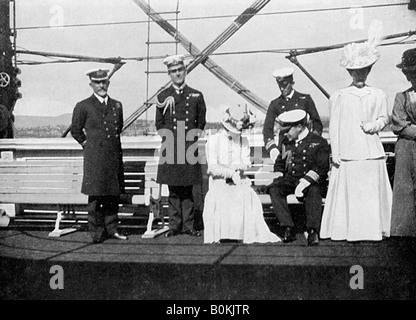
[
  {"x": 232, "y": 210},
  {"x": 359, "y": 200}
]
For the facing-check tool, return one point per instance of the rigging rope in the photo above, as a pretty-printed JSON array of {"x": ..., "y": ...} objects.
[
  {"x": 300, "y": 51},
  {"x": 203, "y": 57},
  {"x": 219, "y": 16}
]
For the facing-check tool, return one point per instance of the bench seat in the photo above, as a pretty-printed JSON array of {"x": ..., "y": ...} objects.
[
  {"x": 58, "y": 182},
  {"x": 262, "y": 174}
]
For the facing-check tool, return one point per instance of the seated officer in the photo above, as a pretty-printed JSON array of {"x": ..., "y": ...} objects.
[{"x": 303, "y": 162}]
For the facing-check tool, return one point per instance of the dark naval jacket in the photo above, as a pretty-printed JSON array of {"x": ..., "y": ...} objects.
[
  {"x": 280, "y": 105},
  {"x": 5, "y": 123},
  {"x": 177, "y": 114},
  {"x": 308, "y": 160},
  {"x": 97, "y": 127}
]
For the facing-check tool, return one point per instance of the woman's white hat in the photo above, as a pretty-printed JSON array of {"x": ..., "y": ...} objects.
[
  {"x": 237, "y": 118},
  {"x": 361, "y": 55}
]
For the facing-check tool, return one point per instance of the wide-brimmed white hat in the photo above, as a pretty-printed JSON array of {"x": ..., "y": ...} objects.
[
  {"x": 361, "y": 55},
  {"x": 237, "y": 118}
]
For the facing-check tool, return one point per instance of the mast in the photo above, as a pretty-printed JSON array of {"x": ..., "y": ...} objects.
[{"x": 202, "y": 57}]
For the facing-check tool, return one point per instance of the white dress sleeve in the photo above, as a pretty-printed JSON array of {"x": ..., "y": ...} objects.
[
  {"x": 383, "y": 113},
  {"x": 215, "y": 168},
  {"x": 245, "y": 154},
  {"x": 334, "y": 122}
]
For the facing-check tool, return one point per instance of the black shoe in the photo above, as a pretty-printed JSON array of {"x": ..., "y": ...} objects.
[
  {"x": 276, "y": 229},
  {"x": 97, "y": 240},
  {"x": 313, "y": 238},
  {"x": 171, "y": 233},
  {"x": 193, "y": 233},
  {"x": 230, "y": 241},
  {"x": 118, "y": 236},
  {"x": 289, "y": 235}
]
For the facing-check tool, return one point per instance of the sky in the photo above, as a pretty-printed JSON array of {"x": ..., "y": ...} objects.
[{"x": 54, "y": 89}]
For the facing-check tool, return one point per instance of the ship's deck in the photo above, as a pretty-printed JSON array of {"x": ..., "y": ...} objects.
[{"x": 184, "y": 267}]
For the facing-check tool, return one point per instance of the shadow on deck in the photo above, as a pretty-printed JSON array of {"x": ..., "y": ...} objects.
[{"x": 183, "y": 267}]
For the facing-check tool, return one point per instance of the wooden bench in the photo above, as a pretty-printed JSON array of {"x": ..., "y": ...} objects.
[
  {"x": 157, "y": 195},
  {"x": 58, "y": 182},
  {"x": 262, "y": 174}
]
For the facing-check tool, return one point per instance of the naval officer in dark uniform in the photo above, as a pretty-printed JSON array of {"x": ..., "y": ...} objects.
[
  {"x": 96, "y": 124},
  {"x": 180, "y": 119},
  {"x": 303, "y": 162},
  {"x": 289, "y": 99},
  {"x": 5, "y": 123}
]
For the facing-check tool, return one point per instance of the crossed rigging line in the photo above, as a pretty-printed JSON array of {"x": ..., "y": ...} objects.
[
  {"x": 300, "y": 51},
  {"x": 202, "y": 57}
]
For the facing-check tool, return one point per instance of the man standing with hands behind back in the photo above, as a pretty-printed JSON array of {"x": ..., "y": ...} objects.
[
  {"x": 180, "y": 113},
  {"x": 97, "y": 123},
  {"x": 289, "y": 99}
]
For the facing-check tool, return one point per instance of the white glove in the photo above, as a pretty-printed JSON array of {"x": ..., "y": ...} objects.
[
  {"x": 277, "y": 137},
  {"x": 277, "y": 175},
  {"x": 336, "y": 159},
  {"x": 303, "y": 184},
  {"x": 236, "y": 177},
  {"x": 274, "y": 153},
  {"x": 252, "y": 118}
]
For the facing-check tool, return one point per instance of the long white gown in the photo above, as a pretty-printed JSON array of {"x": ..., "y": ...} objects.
[
  {"x": 232, "y": 211},
  {"x": 359, "y": 200}
]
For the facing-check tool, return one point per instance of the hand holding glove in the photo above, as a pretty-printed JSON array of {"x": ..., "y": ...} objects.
[
  {"x": 368, "y": 127},
  {"x": 303, "y": 184},
  {"x": 371, "y": 127},
  {"x": 336, "y": 159}
]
